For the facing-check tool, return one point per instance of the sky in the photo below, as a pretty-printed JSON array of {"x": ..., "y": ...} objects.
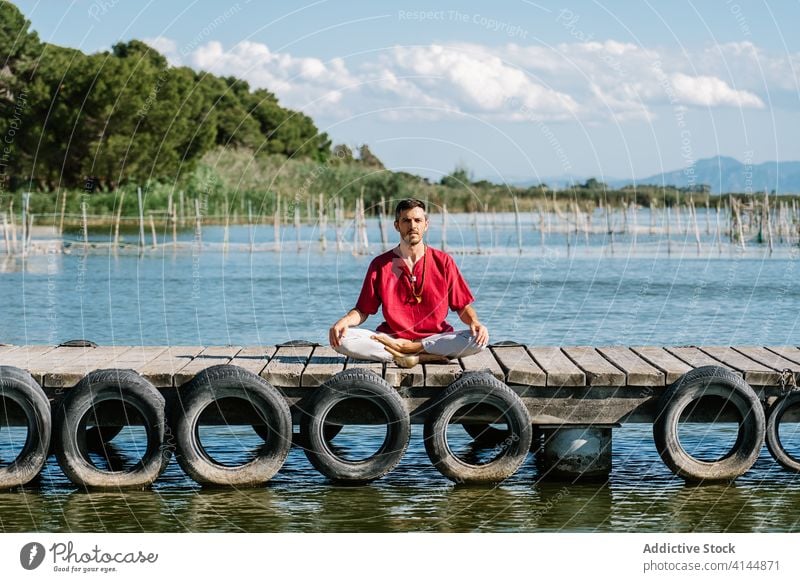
[{"x": 511, "y": 90}]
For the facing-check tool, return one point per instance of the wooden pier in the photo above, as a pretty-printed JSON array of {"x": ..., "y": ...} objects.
[
  {"x": 559, "y": 385},
  {"x": 560, "y": 402}
]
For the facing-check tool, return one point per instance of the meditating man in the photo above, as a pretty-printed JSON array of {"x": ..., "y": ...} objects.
[{"x": 415, "y": 285}]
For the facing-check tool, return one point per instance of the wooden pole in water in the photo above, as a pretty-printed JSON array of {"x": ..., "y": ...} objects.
[
  {"x": 182, "y": 216},
  {"x": 381, "y": 225},
  {"x": 653, "y": 207},
  {"x": 26, "y": 205},
  {"x": 141, "y": 217},
  {"x": 363, "y": 217},
  {"x": 633, "y": 228},
  {"x": 444, "y": 227},
  {"x": 226, "y": 228},
  {"x": 153, "y": 231},
  {"x": 13, "y": 224},
  {"x": 119, "y": 216},
  {"x": 708, "y": 219},
  {"x": 719, "y": 231},
  {"x": 355, "y": 230},
  {"x": 337, "y": 223},
  {"x": 519, "y": 224},
  {"x": 693, "y": 212},
  {"x": 768, "y": 219},
  {"x": 276, "y": 222},
  {"x": 250, "y": 227},
  {"x": 669, "y": 219},
  {"x": 5, "y": 234},
  {"x": 323, "y": 223},
  {"x": 85, "y": 222},
  {"x": 63, "y": 210},
  {"x": 297, "y": 225},
  {"x": 477, "y": 232},
  {"x": 198, "y": 223}
]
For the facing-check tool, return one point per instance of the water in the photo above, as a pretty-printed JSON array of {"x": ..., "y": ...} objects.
[{"x": 552, "y": 295}]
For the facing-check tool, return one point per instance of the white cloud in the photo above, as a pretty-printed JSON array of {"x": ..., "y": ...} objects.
[
  {"x": 711, "y": 92},
  {"x": 590, "y": 81},
  {"x": 167, "y": 47}
]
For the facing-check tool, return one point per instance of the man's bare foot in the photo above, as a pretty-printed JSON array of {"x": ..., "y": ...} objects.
[
  {"x": 403, "y": 346},
  {"x": 410, "y": 360}
]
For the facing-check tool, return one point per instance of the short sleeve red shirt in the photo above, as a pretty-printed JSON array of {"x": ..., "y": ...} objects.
[{"x": 388, "y": 285}]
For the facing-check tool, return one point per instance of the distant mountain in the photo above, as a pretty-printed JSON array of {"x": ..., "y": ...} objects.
[
  {"x": 723, "y": 174},
  {"x": 726, "y": 174}
]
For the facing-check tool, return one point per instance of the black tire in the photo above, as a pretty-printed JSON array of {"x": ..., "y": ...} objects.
[
  {"x": 478, "y": 389},
  {"x": 709, "y": 381},
  {"x": 360, "y": 384},
  {"x": 226, "y": 381},
  {"x": 19, "y": 386},
  {"x": 774, "y": 444},
  {"x": 70, "y": 431}
]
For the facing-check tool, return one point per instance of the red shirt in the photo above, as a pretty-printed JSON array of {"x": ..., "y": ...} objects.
[{"x": 388, "y": 283}]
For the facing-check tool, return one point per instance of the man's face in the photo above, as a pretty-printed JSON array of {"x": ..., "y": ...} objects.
[{"x": 412, "y": 225}]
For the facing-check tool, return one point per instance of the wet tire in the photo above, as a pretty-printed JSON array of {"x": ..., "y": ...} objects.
[
  {"x": 20, "y": 387},
  {"x": 774, "y": 444},
  {"x": 355, "y": 384},
  {"x": 485, "y": 390},
  {"x": 226, "y": 381},
  {"x": 699, "y": 383},
  {"x": 70, "y": 433}
]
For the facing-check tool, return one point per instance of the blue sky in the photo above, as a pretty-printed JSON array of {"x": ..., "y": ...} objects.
[{"x": 512, "y": 90}]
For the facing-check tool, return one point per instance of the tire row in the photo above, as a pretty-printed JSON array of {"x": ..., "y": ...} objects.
[{"x": 77, "y": 433}]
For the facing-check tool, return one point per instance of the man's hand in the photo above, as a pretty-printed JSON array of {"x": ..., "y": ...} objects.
[
  {"x": 480, "y": 333},
  {"x": 336, "y": 333},
  {"x": 352, "y": 319}
]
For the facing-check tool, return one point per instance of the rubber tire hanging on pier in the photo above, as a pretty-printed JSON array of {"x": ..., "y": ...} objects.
[
  {"x": 774, "y": 444},
  {"x": 702, "y": 382},
  {"x": 355, "y": 383},
  {"x": 210, "y": 386},
  {"x": 70, "y": 432},
  {"x": 20, "y": 387},
  {"x": 478, "y": 389}
]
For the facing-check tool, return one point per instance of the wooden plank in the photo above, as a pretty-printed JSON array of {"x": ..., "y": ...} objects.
[
  {"x": 253, "y": 359},
  {"x": 771, "y": 359},
  {"x": 286, "y": 367},
  {"x": 376, "y": 367},
  {"x": 560, "y": 370},
  {"x": 56, "y": 358},
  {"x": 672, "y": 366},
  {"x": 323, "y": 364},
  {"x": 754, "y": 373},
  {"x": 210, "y": 356},
  {"x": 397, "y": 376},
  {"x": 161, "y": 369},
  {"x": 23, "y": 356},
  {"x": 441, "y": 374},
  {"x": 598, "y": 370},
  {"x": 637, "y": 371},
  {"x": 68, "y": 374},
  {"x": 788, "y": 352},
  {"x": 518, "y": 366},
  {"x": 136, "y": 357},
  {"x": 5, "y": 348},
  {"x": 696, "y": 357},
  {"x": 486, "y": 361}
]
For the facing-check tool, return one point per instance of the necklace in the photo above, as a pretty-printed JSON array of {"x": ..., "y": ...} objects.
[{"x": 413, "y": 279}]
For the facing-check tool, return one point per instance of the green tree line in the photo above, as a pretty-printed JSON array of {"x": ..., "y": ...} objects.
[{"x": 126, "y": 116}]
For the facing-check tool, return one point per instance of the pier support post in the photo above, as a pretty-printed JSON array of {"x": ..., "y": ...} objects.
[{"x": 575, "y": 452}]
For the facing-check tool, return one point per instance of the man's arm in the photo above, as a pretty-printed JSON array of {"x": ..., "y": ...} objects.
[
  {"x": 336, "y": 333},
  {"x": 479, "y": 331}
]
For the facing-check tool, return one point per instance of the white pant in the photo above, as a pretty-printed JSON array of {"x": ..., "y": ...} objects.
[{"x": 358, "y": 344}]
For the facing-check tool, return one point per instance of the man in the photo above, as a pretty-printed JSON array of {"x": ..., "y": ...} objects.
[{"x": 415, "y": 285}]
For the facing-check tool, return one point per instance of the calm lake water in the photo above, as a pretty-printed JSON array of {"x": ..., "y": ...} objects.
[{"x": 556, "y": 294}]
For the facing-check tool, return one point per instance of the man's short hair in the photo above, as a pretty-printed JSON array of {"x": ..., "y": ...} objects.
[{"x": 407, "y": 204}]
